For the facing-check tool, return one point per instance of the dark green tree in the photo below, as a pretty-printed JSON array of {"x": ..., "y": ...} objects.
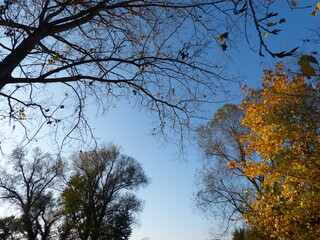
[
  {"x": 119, "y": 228},
  {"x": 27, "y": 186},
  {"x": 239, "y": 234},
  {"x": 99, "y": 202},
  {"x": 248, "y": 234},
  {"x": 10, "y": 228}
]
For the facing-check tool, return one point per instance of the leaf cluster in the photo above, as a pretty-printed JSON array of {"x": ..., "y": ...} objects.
[
  {"x": 262, "y": 159},
  {"x": 284, "y": 129}
]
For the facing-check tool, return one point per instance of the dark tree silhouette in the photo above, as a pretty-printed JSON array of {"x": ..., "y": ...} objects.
[
  {"x": 221, "y": 185},
  {"x": 27, "y": 187},
  {"x": 59, "y": 56},
  {"x": 10, "y": 228}
]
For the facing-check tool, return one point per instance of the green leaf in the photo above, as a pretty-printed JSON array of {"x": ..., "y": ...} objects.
[
  {"x": 305, "y": 65},
  {"x": 312, "y": 59},
  {"x": 56, "y": 57}
]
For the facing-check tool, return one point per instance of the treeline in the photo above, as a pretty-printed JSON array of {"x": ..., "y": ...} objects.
[
  {"x": 93, "y": 198},
  {"x": 262, "y": 157}
]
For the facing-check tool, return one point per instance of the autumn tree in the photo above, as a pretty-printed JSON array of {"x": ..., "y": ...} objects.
[
  {"x": 59, "y": 56},
  {"x": 25, "y": 184},
  {"x": 284, "y": 131},
  {"x": 99, "y": 200},
  {"x": 223, "y": 185}
]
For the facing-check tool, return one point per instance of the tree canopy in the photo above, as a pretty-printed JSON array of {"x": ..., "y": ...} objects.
[
  {"x": 28, "y": 187},
  {"x": 59, "y": 56},
  {"x": 284, "y": 127},
  {"x": 95, "y": 199},
  {"x": 99, "y": 202}
]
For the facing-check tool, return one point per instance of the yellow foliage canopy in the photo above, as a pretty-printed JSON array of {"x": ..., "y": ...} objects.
[{"x": 285, "y": 124}]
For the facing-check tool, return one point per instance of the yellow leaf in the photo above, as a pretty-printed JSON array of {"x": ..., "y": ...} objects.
[
  {"x": 314, "y": 13},
  {"x": 220, "y": 37},
  {"x": 265, "y": 34},
  {"x": 294, "y": 3},
  {"x": 277, "y": 119},
  {"x": 271, "y": 24},
  {"x": 318, "y": 6},
  {"x": 232, "y": 165}
]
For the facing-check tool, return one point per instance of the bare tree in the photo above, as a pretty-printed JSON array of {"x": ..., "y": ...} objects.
[
  {"x": 27, "y": 187},
  {"x": 221, "y": 180},
  {"x": 59, "y": 56}
]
